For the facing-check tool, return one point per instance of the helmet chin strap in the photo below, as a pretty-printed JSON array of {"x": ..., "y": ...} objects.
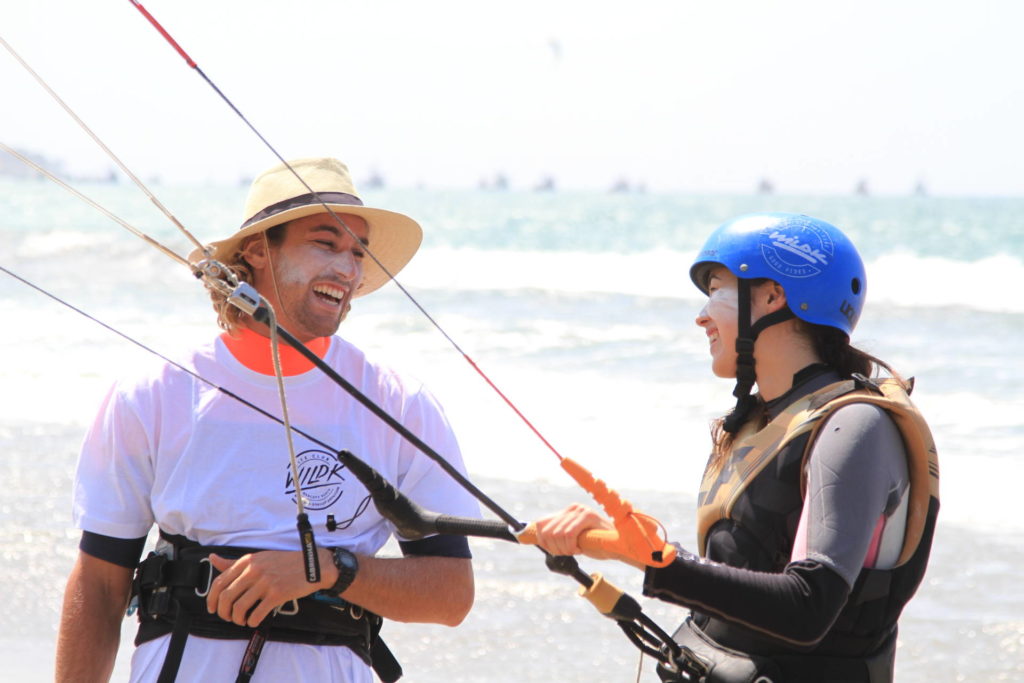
[{"x": 746, "y": 336}]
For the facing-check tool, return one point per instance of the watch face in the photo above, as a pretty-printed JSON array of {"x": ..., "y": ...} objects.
[
  {"x": 347, "y": 565},
  {"x": 345, "y": 560}
]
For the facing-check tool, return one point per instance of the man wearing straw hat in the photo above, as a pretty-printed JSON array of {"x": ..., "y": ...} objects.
[{"x": 170, "y": 450}]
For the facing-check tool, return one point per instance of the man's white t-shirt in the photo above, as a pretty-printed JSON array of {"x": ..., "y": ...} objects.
[{"x": 171, "y": 450}]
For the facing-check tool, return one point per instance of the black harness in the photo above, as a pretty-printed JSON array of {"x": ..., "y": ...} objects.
[{"x": 169, "y": 591}]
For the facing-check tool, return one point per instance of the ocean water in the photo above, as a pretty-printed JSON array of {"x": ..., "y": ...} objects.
[{"x": 580, "y": 308}]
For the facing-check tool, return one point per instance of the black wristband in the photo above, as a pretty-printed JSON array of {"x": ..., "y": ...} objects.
[{"x": 347, "y": 565}]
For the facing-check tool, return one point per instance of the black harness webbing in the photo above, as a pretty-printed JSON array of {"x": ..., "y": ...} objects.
[
  {"x": 170, "y": 593},
  {"x": 252, "y": 653},
  {"x": 175, "y": 648}
]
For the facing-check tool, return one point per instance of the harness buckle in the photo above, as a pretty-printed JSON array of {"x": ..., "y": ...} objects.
[
  {"x": 158, "y": 602},
  {"x": 289, "y": 608},
  {"x": 149, "y": 588},
  {"x": 209, "y": 577},
  {"x": 151, "y": 571}
]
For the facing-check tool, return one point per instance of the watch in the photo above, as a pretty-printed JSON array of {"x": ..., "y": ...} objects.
[{"x": 347, "y": 565}]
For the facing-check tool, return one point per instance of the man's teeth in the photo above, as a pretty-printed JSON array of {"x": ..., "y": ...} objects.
[{"x": 332, "y": 292}]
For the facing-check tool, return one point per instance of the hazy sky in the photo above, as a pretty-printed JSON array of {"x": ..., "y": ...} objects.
[{"x": 814, "y": 95}]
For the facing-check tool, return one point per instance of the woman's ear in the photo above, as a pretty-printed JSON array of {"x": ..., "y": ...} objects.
[{"x": 773, "y": 296}]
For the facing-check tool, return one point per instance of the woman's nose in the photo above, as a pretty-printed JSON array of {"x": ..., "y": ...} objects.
[{"x": 702, "y": 318}]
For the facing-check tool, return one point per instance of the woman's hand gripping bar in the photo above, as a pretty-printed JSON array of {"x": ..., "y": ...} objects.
[{"x": 637, "y": 537}]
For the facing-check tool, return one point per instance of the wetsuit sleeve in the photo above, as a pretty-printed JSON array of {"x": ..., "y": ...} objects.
[
  {"x": 849, "y": 489},
  {"x": 856, "y": 476},
  {"x": 797, "y": 605}
]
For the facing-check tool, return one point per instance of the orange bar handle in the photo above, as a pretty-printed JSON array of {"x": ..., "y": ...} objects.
[
  {"x": 636, "y": 536},
  {"x": 611, "y": 542}
]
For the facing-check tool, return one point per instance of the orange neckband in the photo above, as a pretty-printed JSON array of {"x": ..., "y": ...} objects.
[{"x": 253, "y": 351}]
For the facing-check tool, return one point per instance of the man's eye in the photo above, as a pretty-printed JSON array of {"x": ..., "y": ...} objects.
[
  {"x": 358, "y": 253},
  {"x": 326, "y": 243}
]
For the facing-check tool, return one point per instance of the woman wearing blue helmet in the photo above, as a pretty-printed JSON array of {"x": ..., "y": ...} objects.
[{"x": 818, "y": 503}]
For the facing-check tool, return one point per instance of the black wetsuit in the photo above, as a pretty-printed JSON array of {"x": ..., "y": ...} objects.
[{"x": 762, "y": 596}]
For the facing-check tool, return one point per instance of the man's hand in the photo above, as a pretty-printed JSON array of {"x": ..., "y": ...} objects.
[
  {"x": 412, "y": 589},
  {"x": 251, "y": 587}
]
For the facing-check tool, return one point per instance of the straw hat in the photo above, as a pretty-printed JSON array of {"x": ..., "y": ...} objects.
[{"x": 277, "y": 196}]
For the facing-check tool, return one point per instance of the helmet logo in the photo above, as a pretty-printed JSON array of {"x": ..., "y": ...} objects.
[
  {"x": 796, "y": 250},
  {"x": 849, "y": 312}
]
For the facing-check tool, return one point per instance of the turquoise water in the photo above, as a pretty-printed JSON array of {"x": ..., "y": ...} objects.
[
  {"x": 962, "y": 229},
  {"x": 580, "y": 307}
]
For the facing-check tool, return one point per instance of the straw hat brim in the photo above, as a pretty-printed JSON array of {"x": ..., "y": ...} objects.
[{"x": 394, "y": 239}]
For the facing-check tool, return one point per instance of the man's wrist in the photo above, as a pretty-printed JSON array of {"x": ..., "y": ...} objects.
[{"x": 347, "y": 565}]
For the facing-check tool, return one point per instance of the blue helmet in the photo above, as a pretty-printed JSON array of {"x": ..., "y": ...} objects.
[{"x": 814, "y": 262}]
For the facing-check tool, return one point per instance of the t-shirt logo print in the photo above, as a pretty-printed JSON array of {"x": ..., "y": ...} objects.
[
  {"x": 319, "y": 477},
  {"x": 797, "y": 251}
]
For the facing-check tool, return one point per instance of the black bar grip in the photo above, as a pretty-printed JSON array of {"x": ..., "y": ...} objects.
[
  {"x": 412, "y": 521},
  {"x": 467, "y": 526}
]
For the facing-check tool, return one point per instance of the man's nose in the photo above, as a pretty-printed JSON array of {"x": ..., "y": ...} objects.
[{"x": 347, "y": 265}]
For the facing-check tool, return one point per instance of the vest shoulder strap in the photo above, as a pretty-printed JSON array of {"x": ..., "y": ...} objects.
[{"x": 753, "y": 449}]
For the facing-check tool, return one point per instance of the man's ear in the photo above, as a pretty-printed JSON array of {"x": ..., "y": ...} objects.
[{"x": 254, "y": 251}]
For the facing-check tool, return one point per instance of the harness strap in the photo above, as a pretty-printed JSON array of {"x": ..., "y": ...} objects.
[
  {"x": 176, "y": 647},
  {"x": 859, "y": 381},
  {"x": 252, "y": 653},
  {"x": 384, "y": 662}
]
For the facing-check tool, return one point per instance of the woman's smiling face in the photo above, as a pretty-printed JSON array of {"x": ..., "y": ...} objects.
[{"x": 719, "y": 319}]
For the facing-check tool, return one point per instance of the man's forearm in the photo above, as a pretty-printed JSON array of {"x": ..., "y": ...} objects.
[
  {"x": 90, "y": 625},
  {"x": 414, "y": 589}
]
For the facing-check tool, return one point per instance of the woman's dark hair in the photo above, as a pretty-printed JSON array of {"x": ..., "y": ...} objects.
[{"x": 833, "y": 347}]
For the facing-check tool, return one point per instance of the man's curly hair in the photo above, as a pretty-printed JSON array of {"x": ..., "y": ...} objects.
[{"x": 229, "y": 318}]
